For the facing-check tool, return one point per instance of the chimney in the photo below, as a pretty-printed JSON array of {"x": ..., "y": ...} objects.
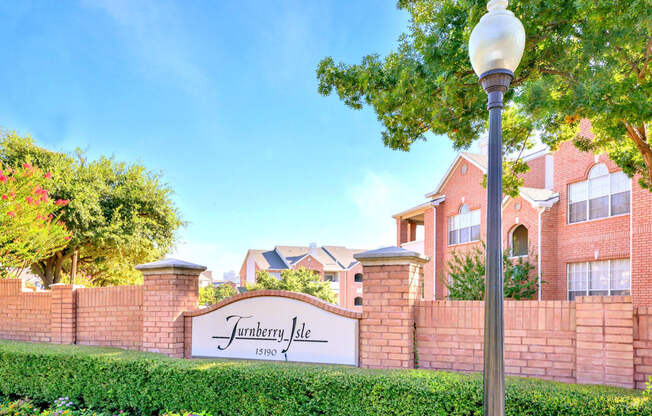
[{"x": 312, "y": 249}]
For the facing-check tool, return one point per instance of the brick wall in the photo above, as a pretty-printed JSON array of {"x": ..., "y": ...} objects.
[
  {"x": 148, "y": 317},
  {"x": 642, "y": 345},
  {"x": 539, "y": 337},
  {"x": 594, "y": 340},
  {"x": 24, "y": 316},
  {"x": 110, "y": 316}
]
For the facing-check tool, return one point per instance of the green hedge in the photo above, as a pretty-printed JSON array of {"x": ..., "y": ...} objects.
[{"x": 110, "y": 379}]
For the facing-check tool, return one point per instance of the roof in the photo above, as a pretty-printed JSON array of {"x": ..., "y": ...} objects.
[
  {"x": 416, "y": 211},
  {"x": 170, "y": 263},
  {"x": 391, "y": 252},
  {"x": 268, "y": 259},
  {"x": 478, "y": 160},
  {"x": 332, "y": 258},
  {"x": 537, "y": 197},
  {"x": 344, "y": 256}
]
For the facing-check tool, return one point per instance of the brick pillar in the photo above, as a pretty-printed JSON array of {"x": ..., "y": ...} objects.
[
  {"x": 62, "y": 314},
  {"x": 641, "y": 228},
  {"x": 413, "y": 231},
  {"x": 605, "y": 340},
  {"x": 171, "y": 287},
  {"x": 391, "y": 288},
  {"x": 401, "y": 231}
]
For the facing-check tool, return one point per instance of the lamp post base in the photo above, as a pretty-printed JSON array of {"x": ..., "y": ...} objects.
[{"x": 495, "y": 84}]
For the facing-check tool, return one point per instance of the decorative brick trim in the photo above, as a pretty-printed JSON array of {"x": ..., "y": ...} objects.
[{"x": 329, "y": 307}]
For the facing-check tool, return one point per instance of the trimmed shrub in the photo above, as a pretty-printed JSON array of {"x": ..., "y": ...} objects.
[{"x": 148, "y": 384}]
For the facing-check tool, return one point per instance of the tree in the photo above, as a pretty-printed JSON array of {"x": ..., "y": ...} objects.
[
  {"x": 299, "y": 280},
  {"x": 30, "y": 229},
  {"x": 210, "y": 295},
  {"x": 466, "y": 276},
  {"x": 583, "y": 59},
  {"x": 119, "y": 214}
]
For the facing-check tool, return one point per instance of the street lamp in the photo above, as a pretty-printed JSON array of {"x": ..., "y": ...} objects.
[{"x": 495, "y": 48}]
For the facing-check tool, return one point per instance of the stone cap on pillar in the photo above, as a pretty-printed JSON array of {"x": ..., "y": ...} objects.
[
  {"x": 170, "y": 266},
  {"x": 390, "y": 255}
]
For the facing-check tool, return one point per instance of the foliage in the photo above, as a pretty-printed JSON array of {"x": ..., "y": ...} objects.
[
  {"x": 210, "y": 295},
  {"x": 29, "y": 219},
  {"x": 518, "y": 283},
  {"x": 582, "y": 59},
  {"x": 147, "y": 384},
  {"x": 299, "y": 280},
  {"x": 466, "y": 275},
  {"x": 466, "y": 271},
  {"x": 119, "y": 214},
  {"x": 63, "y": 406}
]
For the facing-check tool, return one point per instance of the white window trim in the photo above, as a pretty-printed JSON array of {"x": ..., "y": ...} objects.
[
  {"x": 588, "y": 198},
  {"x": 448, "y": 228},
  {"x": 588, "y": 280}
]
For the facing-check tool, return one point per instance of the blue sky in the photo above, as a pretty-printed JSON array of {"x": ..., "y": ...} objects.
[{"x": 221, "y": 98}]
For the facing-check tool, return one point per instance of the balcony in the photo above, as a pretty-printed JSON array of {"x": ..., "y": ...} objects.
[{"x": 417, "y": 246}]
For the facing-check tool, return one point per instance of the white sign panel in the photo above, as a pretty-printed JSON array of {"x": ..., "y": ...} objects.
[{"x": 276, "y": 328}]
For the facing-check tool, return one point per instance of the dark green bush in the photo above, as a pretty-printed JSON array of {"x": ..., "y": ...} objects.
[{"x": 110, "y": 379}]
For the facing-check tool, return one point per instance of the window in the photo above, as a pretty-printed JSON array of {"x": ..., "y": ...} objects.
[
  {"x": 357, "y": 301},
  {"x": 331, "y": 278},
  {"x": 464, "y": 227},
  {"x": 599, "y": 278},
  {"x": 602, "y": 195},
  {"x": 519, "y": 241},
  {"x": 357, "y": 278}
]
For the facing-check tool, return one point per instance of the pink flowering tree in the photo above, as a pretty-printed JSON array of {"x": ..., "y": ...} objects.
[{"x": 30, "y": 229}]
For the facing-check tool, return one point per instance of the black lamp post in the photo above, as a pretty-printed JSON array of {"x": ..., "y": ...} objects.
[{"x": 495, "y": 48}]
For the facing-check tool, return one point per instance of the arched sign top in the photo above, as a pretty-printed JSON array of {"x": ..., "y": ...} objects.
[
  {"x": 275, "y": 325},
  {"x": 329, "y": 307}
]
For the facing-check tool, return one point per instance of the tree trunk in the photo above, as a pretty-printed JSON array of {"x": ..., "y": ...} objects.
[
  {"x": 639, "y": 137},
  {"x": 48, "y": 276},
  {"x": 58, "y": 264}
]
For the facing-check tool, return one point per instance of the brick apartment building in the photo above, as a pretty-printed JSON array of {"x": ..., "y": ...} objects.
[
  {"x": 334, "y": 263},
  {"x": 583, "y": 223}
]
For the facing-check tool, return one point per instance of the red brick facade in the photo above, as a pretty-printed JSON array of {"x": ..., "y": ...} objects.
[{"x": 553, "y": 241}]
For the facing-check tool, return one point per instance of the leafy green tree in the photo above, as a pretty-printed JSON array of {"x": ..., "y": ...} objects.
[
  {"x": 30, "y": 229},
  {"x": 210, "y": 295},
  {"x": 119, "y": 214},
  {"x": 466, "y": 273},
  {"x": 466, "y": 276},
  {"x": 583, "y": 59},
  {"x": 299, "y": 280}
]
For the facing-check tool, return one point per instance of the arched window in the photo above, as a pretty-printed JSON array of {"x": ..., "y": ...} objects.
[
  {"x": 464, "y": 227},
  {"x": 357, "y": 278},
  {"x": 601, "y": 195},
  {"x": 357, "y": 301},
  {"x": 519, "y": 241},
  {"x": 598, "y": 170}
]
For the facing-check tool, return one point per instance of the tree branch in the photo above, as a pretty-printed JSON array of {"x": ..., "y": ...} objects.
[
  {"x": 648, "y": 51},
  {"x": 640, "y": 140}
]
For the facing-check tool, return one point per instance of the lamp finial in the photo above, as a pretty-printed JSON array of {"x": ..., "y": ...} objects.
[{"x": 497, "y": 5}]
